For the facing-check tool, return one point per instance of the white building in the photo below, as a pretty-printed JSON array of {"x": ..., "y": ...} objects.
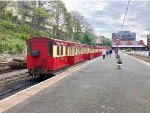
[{"x": 100, "y": 39}]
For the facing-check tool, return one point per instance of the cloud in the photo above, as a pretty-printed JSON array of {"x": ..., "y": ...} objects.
[{"x": 107, "y": 16}]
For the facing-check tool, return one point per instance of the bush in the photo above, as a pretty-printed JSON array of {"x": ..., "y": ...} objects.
[
  {"x": 128, "y": 50},
  {"x": 24, "y": 28},
  {"x": 6, "y": 25},
  {"x": 22, "y": 36}
]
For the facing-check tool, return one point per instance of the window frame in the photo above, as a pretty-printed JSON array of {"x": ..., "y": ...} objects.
[
  {"x": 61, "y": 50},
  {"x": 66, "y": 50},
  {"x": 58, "y": 50},
  {"x": 50, "y": 46}
]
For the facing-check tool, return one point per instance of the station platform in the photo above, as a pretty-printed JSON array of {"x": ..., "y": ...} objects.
[{"x": 99, "y": 87}]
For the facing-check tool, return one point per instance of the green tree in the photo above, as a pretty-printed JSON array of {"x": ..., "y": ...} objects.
[
  {"x": 8, "y": 15},
  {"x": 68, "y": 26},
  {"x": 77, "y": 24},
  {"x": 3, "y": 6},
  {"x": 59, "y": 12},
  {"x": 107, "y": 42},
  {"x": 40, "y": 17},
  {"x": 24, "y": 9},
  {"x": 88, "y": 38}
]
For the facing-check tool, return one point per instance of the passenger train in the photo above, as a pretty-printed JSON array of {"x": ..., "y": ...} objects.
[{"x": 47, "y": 55}]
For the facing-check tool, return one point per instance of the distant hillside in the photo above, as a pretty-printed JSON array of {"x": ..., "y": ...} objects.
[{"x": 13, "y": 36}]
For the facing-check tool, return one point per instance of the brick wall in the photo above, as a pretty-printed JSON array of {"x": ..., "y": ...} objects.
[{"x": 148, "y": 41}]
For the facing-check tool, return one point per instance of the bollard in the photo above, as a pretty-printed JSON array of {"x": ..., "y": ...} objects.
[{"x": 119, "y": 64}]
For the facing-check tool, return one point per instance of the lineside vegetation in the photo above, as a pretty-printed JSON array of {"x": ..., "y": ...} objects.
[{"x": 40, "y": 18}]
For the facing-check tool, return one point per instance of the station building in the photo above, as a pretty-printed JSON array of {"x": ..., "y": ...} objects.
[
  {"x": 134, "y": 45},
  {"x": 124, "y": 36}
]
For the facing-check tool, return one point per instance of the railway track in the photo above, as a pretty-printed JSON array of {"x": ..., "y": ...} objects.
[
  {"x": 14, "y": 65},
  {"x": 8, "y": 70},
  {"x": 139, "y": 56},
  {"x": 18, "y": 87},
  {"x": 13, "y": 83}
]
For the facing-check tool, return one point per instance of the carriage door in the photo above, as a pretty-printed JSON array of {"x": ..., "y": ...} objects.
[{"x": 39, "y": 53}]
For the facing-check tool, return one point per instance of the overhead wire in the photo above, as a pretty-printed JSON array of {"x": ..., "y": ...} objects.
[
  {"x": 125, "y": 16},
  {"x": 118, "y": 38}
]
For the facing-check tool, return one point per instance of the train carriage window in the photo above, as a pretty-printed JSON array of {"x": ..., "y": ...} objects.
[
  {"x": 29, "y": 48},
  {"x": 82, "y": 50},
  {"x": 58, "y": 51},
  {"x": 79, "y": 50},
  {"x": 61, "y": 50},
  {"x": 50, "y": 48},
  {"x": 76, "y": 50},
  {"x": 71, "y": 51},
  {"x": 66, "y": 50}
]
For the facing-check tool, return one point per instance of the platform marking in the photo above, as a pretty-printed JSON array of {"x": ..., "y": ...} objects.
[{"x": 19, "y": 97}]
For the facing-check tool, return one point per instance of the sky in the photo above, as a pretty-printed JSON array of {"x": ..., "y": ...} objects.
[{"x": 107, "y": 16}]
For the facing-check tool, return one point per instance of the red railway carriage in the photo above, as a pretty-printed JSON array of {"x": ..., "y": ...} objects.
[
  {"x": 86, "y": 52},
  {"x": 91, "y": 51},
  {"x": 71, "y": 59},
  {"x": 96, "y": 51},
  {"x": 79, "y": 53},
  {"x": 76, "y": 53},
  {"x": 46, "y": 55}
]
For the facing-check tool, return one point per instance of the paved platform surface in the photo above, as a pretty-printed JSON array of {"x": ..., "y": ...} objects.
[{"x": 97, "y": 88}]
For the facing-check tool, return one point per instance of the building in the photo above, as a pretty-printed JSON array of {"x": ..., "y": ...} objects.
[
  {"x": 134, "y": 45},
  {"x": 127, "y": 39},
  {"x": 100, "y": 39},
  {"x": 124, "y": 36},
  {"x": 148, "y": 41}
]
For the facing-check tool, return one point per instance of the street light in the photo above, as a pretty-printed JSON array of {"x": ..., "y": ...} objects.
[
  {"x": 117, "y": 46},
  {"x": 119, "y": 61}
]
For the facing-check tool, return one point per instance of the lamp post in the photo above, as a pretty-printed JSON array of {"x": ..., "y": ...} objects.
[
  {"x": 117, "y": 43},
  {"x": 119, "y": 61},
  {"x": 117, "y": 46}
]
